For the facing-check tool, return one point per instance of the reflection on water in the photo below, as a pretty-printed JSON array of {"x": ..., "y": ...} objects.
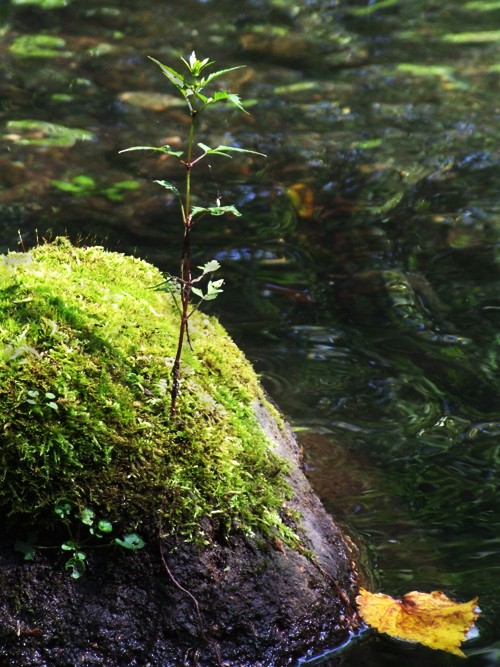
[{"x": 363, "y": 280}]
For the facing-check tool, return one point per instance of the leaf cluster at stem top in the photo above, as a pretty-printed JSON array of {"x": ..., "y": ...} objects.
[{"x": 191, "y": 86}]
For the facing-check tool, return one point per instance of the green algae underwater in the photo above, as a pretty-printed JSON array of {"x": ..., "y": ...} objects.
[{"x": 86, "y": 347}]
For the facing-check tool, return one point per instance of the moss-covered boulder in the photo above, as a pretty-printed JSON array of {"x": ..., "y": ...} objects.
[{"x": 241, "y": 559}]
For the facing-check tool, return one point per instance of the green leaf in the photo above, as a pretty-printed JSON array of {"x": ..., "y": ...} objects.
[
  {"x": 126, "y": 185},
  {"x": 215, "y": 75},
  {"x": 225, "y": 96},
  {"x": 194, "y": 65},
  {"x": 131, "y": 541},
  {"x": 76, "y": 564},
  {"x": 39, "y": 46},
  {"x": 200, "y": 96},
  {"x": 211, "y": 151},
  {"x": 42, "y": 133},
  {"x": 70, "y": 545},
  {"x": 44, "y": 4},
  {"x": 215, "y": 210},
  {"x": 224, "y": 150},
  {"x": 63, "y": 509},
  {"x": 210, "y": 266},
  {"x": 484, "y": 37},
  {"x": 87, "y": 516},
  {"x": 174, "y": 77},
  {"x": 169, "y": 186},
  {"x": 105, "y": 526},
  {"x": 64, "y": 186},
  {"x": 26, "y": 547},
  {"x": 235, "y": 149},
  {"x": 162, "y": 149},
  {"x": 213, "y": 289},
  {"x": 84, "y": 181}
]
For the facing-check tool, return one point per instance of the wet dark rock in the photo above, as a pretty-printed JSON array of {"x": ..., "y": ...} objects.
[{"x": 260, "y": 603}]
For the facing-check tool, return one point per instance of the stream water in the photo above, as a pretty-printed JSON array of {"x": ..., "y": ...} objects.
[{"x": 363, "y": 279}]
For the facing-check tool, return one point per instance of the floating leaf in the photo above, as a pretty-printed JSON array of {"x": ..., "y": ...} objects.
[
  {"x": 44, "y": 4},
  {"x": 39, "y": 46},
  {"x": 150, "y": 100},
  {"x": 485, "y": 37},
  {"x": 373, "y": 7},
  {"x": 42, "y": 133},
  {"x": 432, "y": 619}
]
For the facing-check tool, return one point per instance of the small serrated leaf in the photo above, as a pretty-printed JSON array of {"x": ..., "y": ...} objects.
[
  {"x": 213, "y": 289},
  {"x": 159, "y": 149},
  {"x": 221, "y": 72},
  {"x": 210, "y": 266},
  {"x": 169, "y": 186},
  {"x": 177, "y": 79},
  {"x": 236, "y": 149},
  {"x": 215, "y": 210}
]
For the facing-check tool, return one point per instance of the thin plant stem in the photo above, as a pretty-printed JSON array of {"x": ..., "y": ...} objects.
[{"x": 185, "y": 272}]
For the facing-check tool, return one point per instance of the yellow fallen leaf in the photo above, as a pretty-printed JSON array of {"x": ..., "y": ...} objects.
[
  {"x": 302, "y": 199},
  {"x": 432, "y": 619}
]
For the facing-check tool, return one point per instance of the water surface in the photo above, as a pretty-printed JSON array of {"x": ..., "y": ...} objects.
[{"x": 363, "y": 279}]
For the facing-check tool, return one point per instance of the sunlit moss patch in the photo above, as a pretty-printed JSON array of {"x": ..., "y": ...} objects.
[{"x": 86, "y": 346}]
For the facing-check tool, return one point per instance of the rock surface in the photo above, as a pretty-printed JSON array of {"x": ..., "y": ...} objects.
[{"x": 240, "y": 602}]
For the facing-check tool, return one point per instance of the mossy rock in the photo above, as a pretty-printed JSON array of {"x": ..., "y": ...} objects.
[{"x": 86, "y": 348}]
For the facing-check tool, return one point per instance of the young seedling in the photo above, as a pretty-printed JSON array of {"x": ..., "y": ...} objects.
[
  {"x": 84, "y": 530},
  {"x": 192, "y": 88}
]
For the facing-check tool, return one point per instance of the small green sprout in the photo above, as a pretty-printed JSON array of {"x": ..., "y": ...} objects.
[
  {"x": 192, "y": 88},
  {"x": 75, "y": 519}
]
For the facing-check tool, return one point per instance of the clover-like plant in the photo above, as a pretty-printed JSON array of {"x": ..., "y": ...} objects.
[
  {"x": 84, "y": 529},
  {"x": 192, "y": 87}
]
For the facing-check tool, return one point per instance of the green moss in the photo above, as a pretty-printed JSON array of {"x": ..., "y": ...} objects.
[{"x": 86, "y": 347}]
